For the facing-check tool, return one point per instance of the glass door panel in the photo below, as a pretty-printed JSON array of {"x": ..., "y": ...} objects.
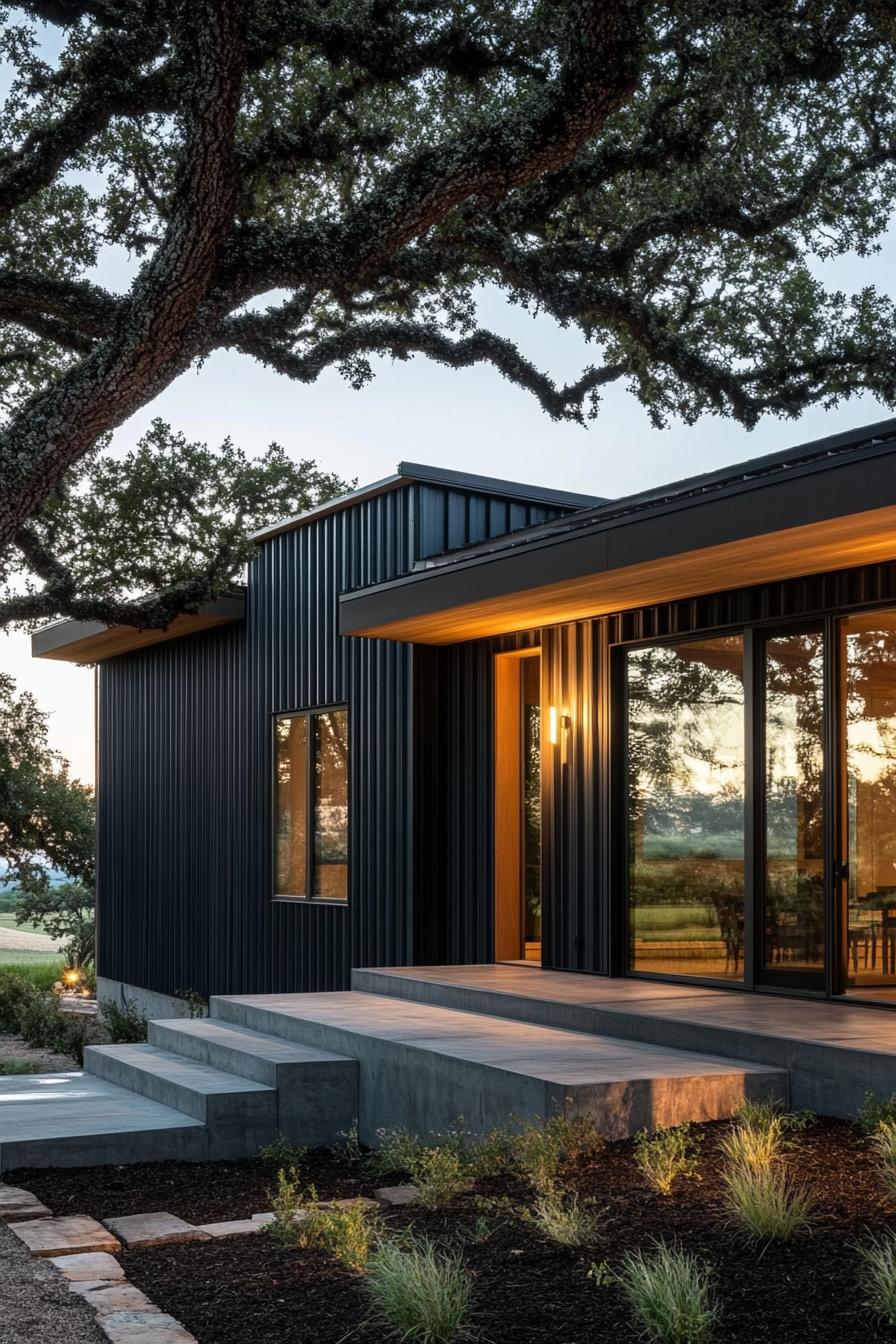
[
  {"x": 869, "y": 664},
  {"x": 685, "y": 804},
  {"x": 793, "y": 915}
]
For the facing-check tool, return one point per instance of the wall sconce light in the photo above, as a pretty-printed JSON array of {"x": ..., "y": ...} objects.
[{"x": 558, "y": 730}]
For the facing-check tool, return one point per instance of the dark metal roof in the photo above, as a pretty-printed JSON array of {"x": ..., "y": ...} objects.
[
  {"x": 408, "y": 472},
  {"x": 838, "y": 477},
  {"x": 817, "y": 453},
  {"x": 93, "y": 641}
]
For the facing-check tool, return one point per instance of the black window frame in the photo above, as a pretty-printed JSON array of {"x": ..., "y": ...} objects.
[{"x": 309, "y": 715}]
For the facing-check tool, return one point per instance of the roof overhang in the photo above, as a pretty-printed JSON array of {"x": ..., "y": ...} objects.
[
  {"x": 830, "y": 511},
  {"x": 92, "y": 641}
]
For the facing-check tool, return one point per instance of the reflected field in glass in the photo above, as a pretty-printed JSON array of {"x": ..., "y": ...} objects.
[{"x": 685, "y": 798}]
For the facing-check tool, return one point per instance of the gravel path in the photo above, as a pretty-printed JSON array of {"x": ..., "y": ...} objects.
[{"x": 36, "y": 1306}]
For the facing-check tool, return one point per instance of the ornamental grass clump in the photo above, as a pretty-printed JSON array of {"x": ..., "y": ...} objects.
[
  {"x": 759, "y": 1135},
  {"x": 423, "y": 1292},
  {"x": 883, "y": 1141},
  {"x": 879, "y": 1277},
  {"x": 666, "y": 1156},
  {"x": 670, "y": 1292},
  {"x": 876, "y": 1111},
  {"x": 560, "y": 1217},
  {"x": 766, "y": 1205},
  {"x": 438, "y": 1170}
]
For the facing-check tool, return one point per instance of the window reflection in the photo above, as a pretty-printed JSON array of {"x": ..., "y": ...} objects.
[
  {"x": 794, "y": 837},
  {"x": 331, "y": 805},
  {"x": 291, "y": 767},
  {"x": 870, "y": 649},
  {"x": 686, "y": 808}
]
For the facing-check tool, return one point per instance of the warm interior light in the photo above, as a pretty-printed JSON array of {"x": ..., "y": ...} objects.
[{"x": 553, "y": 724}]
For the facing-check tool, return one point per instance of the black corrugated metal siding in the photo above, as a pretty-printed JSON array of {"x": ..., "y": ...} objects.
[{"x": 447, "y": 520}]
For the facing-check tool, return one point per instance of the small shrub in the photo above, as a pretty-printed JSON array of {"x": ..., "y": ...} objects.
[
  {"x": 300, "y": 1220},
  {"x": 11, "y": 1067},
  {"x": 15, "y": 991},
  {"x": 282, "y": 1152},
  {"x": 195, "y": 1003},
  {"x": 876, "y": 1111},
  {"x": 666, "y": 1155},
  {"x": 396, "y": 1150},
  {"x": 560, "y": 1217},
  {"x": 765, "y": 1204},
  {"x": 346, "y": 1233},
  {"x": 438, "y": 1174},
  {"x": 421, "y": 1291},
  {"x": 879, "y": 1255},
  {"x": 348, "y": 1150},
  {"x": 126, "y": 1024},
  {"x": 544, "y": 1150},
  {"x": 438, "y": 1170},
  {"x": 286, "y": 1201},
  {"x": 671, "y": 1293},
  {"x": 883, "y": 1141}
]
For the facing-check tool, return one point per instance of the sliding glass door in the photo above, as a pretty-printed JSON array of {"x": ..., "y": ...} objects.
[
  {"x": 868, "y": 655},
  {"x": 685, "y": 808},
  {"x": 792, "y": 812}
]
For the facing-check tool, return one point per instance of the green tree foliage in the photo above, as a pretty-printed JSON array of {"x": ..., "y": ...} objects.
[
  {"x": 46, "y": 817},
  {"x": 169, "y": 519},
  {"x": 314, "y": 183}
]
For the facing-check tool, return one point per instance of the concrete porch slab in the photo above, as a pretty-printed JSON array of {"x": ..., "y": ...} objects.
[
  {"x": 833, "y": 1052},
  {"x": 430, "y": 1068}
]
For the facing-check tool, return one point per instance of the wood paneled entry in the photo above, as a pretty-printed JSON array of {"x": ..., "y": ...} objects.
[{"x": 518, "y": 806}]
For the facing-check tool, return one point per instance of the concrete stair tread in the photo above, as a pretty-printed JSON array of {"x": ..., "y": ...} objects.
[
  {"x": 75, "y": 1105},
  {"x": 261, "y": 1044},
  {"x": 173, "y": 1068},
  {"x": 548, "y": 1053}
]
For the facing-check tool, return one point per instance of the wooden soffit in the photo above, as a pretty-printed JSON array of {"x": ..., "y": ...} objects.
[
  {"x": 613, "y": 585},
  {"x": 93, "y": 642}
]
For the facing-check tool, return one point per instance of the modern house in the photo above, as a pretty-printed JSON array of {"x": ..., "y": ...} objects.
[
  {"x": 493, "y": 800},
  {"x": 456, "y": 720}
]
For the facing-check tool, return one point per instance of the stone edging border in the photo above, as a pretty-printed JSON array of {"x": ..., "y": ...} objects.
[{"x": 83, "y": 1250}]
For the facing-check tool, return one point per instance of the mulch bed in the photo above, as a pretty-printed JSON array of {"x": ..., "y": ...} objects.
[
  {"x": 527, "y": 1290},
  {"x": 200, "y": 1192}
]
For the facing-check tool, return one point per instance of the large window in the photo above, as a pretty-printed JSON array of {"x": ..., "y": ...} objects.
[
  {"x": 311, "y": 777},
  {"x": 685, "y": 767}
]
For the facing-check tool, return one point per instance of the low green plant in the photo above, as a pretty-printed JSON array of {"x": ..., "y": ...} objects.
[
  {"x": 667, "y": 1155},
  {"x": 346, "y": 1232},
  {"x": 560, "y": 1217},
  {"x": 302, "y": 1221},
  {"x": 766, "y": 1204},
  {"x": 439, "y": 1176},
  {"x": 537, "y": 1153},
  {"x": 282, "y": 1152},
  {"x": 760, "y": 1134},
  {"x": 423, "y": 1292},
  {"x": 876, "y": 1111},
  {"x": 671, "y": 1293},
  {"x": 883, "y": 1141},
  {"x": 125, "y": 1023},
  {"x": 348, "y": 1150},
  {"x": 15, "y": 991},
  {"x": 879, "y": 1278},
  {"x": 438, "y": 1169},
  {"x": 44, "y": 1026},
  {"x": 39, "y": 974},
  {"x": 195, "y": 1003},
  {"x": 11, "y": 1067},
  {"x": 286, "y": 1201}
]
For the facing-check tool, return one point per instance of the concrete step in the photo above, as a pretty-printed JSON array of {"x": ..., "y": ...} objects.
[
  {"x": 317, "y": 1091},
  {"x": 833, "y": 1052},
  {"x": 75, "y": 1120},
  {"x": 240, "y": 1114},
  {"x": 427, "y": 1067}
]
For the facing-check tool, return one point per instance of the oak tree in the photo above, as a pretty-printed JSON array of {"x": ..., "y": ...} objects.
[{"x": 313, "y": 183}]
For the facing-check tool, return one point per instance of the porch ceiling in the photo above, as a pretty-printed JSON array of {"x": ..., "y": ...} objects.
[
  {"x": 835, "y": 512},
  {"x": 92, "y": 641}
]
